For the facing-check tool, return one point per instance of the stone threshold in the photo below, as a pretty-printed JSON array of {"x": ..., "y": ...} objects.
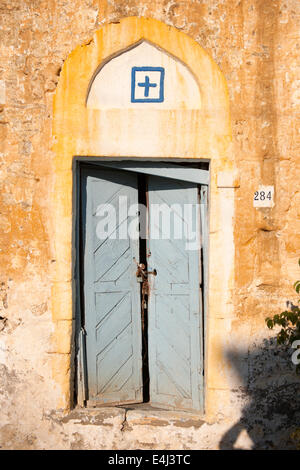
[{"x": 133, "y": 415}]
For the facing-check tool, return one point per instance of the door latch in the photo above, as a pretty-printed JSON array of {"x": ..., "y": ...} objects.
[
  {"x": 142, "y": 277},
  {"x": 142, "y": 274}
]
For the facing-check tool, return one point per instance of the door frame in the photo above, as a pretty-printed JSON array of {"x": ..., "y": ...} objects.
[{"x": 79, "y": 369}]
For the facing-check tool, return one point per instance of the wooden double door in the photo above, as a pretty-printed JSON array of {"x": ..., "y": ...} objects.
[{"x": 117, "y": 302}]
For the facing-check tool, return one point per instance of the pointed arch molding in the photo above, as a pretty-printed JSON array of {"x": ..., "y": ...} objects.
[
  {"x": 203, "y": 131},
  {"x": 113, "y": 130}
]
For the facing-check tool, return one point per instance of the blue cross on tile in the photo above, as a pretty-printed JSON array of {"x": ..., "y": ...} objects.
[{"x": 147, "y": 84}]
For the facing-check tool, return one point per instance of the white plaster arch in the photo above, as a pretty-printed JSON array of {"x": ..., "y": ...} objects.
[{"x": 111, "y": 88}]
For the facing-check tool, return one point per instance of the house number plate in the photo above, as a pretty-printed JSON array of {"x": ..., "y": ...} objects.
[{"x": 264, "y": 196}]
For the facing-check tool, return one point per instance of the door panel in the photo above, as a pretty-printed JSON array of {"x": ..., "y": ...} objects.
[
  {"x": 111, "y": 292},
  {"x": 174, "y": 314}
]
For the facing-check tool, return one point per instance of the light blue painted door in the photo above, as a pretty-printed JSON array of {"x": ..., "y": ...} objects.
[
  {"x": 111, "y": 291},
  {"x": 174, "y": 315}
]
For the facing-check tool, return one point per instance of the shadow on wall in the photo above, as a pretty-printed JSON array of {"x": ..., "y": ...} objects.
[{"x": 271, "y": 389}]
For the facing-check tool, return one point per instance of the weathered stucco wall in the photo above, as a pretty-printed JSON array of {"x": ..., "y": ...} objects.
[{"x": 256, "y": 45}]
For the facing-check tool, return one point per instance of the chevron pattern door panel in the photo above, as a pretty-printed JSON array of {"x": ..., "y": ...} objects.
[
  {"x": 111, "y": 291},
  {"x": 174, "y": 316}
]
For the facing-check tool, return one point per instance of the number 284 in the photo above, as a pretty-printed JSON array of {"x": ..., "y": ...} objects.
[{"x": 262, "y": 195}]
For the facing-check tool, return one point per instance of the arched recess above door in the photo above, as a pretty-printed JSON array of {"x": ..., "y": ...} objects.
[{"x": 116, "y": 85}]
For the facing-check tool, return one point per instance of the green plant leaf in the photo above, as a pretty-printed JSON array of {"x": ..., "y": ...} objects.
[
  {"x": 288, "y": 321},
  {"x": 297, "y": 286}
]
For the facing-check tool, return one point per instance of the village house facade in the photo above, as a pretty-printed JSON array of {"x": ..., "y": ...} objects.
[{"x": 109, "y": 109}]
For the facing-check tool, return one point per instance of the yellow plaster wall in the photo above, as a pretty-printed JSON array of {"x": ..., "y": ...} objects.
[{"x": 256, "y": 45}]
